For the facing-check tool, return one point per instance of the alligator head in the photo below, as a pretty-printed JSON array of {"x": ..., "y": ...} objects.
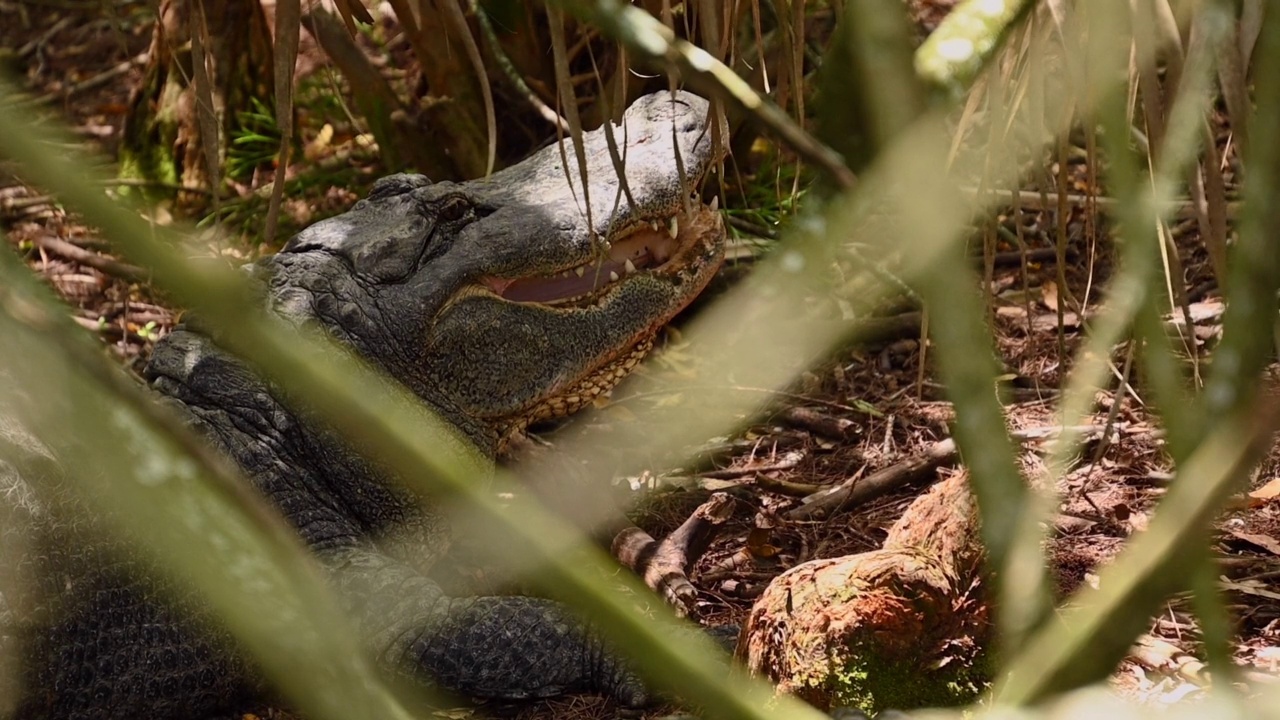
[{"x": 525, "y": 295}]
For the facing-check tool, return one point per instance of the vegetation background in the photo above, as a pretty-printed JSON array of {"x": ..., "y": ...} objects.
[{"x": 883, "y": 156}]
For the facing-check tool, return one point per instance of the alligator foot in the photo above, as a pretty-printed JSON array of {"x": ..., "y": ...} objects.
[{"x": 664, "y": 564}]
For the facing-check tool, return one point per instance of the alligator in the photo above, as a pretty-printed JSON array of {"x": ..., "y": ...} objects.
[{"x": 499, "y": 302}]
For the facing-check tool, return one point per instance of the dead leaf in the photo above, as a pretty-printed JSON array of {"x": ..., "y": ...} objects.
[
  {"x": 758, "y": 543},
  {"x": 1266, "y": 542},
  {"x": 1249, "y": 587},
  {"x": 1270, "y": 655},
  {"x": 1265, "y": 494},
  {"x": 1139, "y": 522},
  {"x": 319, "y": 146},
  {"x": 1049, "y": 294}
]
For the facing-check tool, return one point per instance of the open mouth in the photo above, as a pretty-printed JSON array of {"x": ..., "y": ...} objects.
[{"x": 675, "y": 244}]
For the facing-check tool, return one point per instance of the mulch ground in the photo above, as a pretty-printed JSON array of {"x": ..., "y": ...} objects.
[{"x": 867, "y": 409}]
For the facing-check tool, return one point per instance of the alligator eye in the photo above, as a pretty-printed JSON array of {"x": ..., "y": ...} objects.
[
  {"x": 397, "y": 184},
  {"x": 454, "y": 209}
]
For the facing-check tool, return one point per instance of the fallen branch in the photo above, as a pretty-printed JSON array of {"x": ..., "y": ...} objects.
[
  {"x": 871, "y": 330},
  {"x": 818, "y": 423},
  {"x": 664, "y": 565},
  {"x": 98, "y": 80},
  {"x": 14, "y": 208},
  {"x": 881, "y": 482},
  {"x": 788, "y": 461},
  {"x": 102, "y": 263},
  {"x": 105, "y": 76},
  {"x": 1037, "y": 201},
  {"x": 856, "y": 491},
  {"x": 787, "y": 487},
  {"x": 45, "y": 37},
  {"x": 1014, "y": 258}
]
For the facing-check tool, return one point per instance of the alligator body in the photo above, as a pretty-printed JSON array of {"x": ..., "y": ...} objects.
[{"x": 499, "y": 302}]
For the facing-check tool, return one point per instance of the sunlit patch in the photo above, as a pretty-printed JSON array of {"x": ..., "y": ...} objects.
[{"x": 956, "y": 49}]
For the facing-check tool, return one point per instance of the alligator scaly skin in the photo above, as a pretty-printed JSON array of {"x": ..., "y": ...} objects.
[{"x": 401, "y": 278}]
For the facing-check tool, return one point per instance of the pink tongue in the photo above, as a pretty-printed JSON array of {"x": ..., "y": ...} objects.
[
  {"x": 546, "y": 289},
  {"x": 644, "y": 249}
]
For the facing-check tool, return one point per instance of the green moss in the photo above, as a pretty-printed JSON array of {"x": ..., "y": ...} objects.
[
  {"x": 870, "y": 683},
  {"x": 149, "y": 157},
  {"x": 151, "y": 163}
]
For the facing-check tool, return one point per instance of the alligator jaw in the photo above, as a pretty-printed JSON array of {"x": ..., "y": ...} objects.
[
  {"x": 669, "y": 245},
  {"x": 521, "y": 296},
  {"x": 558, "y": 304},
  {"x": 695, "y": 256}
]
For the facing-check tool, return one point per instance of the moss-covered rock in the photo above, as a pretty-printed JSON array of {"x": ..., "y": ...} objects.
[{"x": 903, "y": 627}]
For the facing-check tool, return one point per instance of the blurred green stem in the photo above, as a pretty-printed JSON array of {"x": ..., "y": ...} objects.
[{"x": 953, "y": 56}]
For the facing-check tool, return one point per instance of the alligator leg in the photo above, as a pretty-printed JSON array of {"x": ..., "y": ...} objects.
[
  {"x": 509, "y": 648},
  {"x": 494, "y": 647}
]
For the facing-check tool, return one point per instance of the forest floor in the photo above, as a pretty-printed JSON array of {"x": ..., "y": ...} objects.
[{"x": 867, "y": 408}]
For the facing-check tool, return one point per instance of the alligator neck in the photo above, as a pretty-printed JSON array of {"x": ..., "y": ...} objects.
[{"x": 282, "y": 454}]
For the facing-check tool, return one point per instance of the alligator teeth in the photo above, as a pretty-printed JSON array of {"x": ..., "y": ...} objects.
[
  {"x": 613, "y": 276},
  {"x": 654, "y": 225},
  {"x": 606, "y": 245},
  {"x": 629, "y": 266},
  {"x": 673, "y": 227},
  {"x": 579, "y": 271},
  {"x": 715, "y": 203}
]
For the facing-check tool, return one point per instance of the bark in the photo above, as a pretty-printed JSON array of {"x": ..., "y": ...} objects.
[
  {"x": 904, "y": 626},
  {"x": 448, "y": 108},
  {"x": 162, "y": 138}
]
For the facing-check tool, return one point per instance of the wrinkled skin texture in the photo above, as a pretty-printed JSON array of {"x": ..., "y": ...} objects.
[{"x": 405, "y": 278}]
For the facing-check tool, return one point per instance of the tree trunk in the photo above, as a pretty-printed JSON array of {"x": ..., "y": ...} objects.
[
  {"x": 904, "y": 626},
  {"x": 162, "y": 141}
]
